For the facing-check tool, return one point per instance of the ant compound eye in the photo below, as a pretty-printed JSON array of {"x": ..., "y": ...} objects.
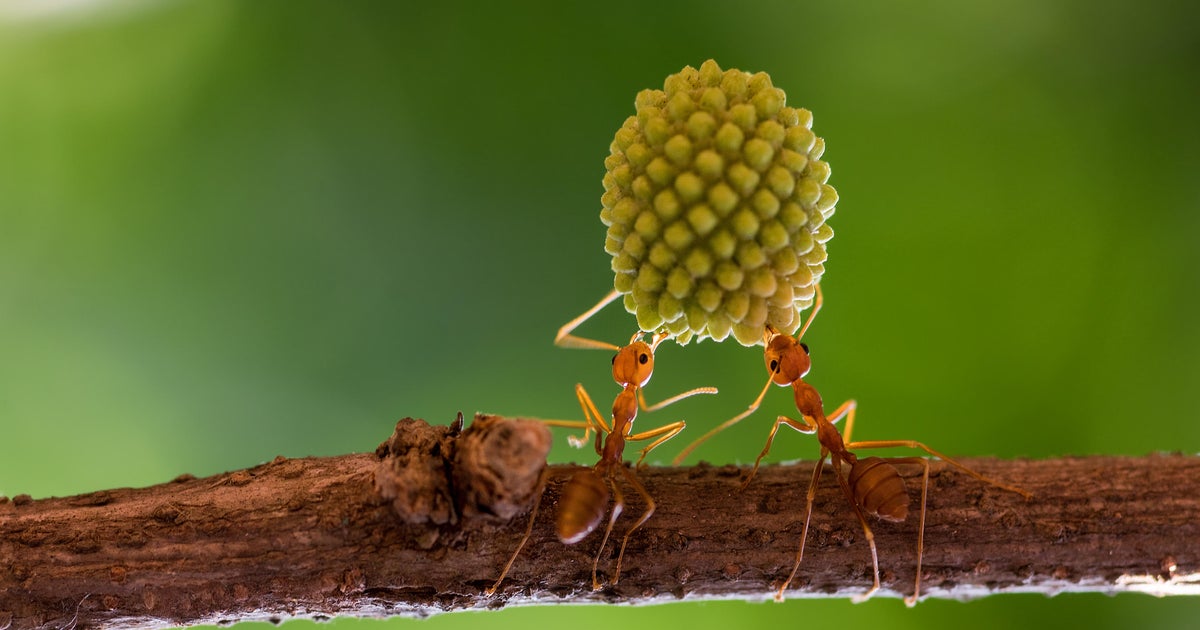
[
  {"x": 805, "y": 346},
  {"x": 644, "y": 358},
  {"x": 774, "y": 365},
  {"x": 614, "y": 359}
]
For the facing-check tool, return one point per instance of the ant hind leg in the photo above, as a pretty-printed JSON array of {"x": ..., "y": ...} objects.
[
  {"x": 949, "y": 460},
  {"x": 618, "y": 507},
  {"x": 862, "y": 519}
]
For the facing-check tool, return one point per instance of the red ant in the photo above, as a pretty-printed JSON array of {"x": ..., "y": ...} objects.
[
  {"x": 873, "y": 486},
  {"x": 585, "y": 498}
]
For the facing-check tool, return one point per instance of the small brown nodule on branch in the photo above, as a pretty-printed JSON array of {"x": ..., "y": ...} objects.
[
  {"x": 435, "y": 474},
  {"x": 319, "y": 537}
]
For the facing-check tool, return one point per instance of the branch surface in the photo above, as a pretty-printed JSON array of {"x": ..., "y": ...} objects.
[{"x": 426, "y": 523}]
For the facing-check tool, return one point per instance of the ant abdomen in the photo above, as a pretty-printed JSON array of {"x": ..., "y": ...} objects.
[
  {"x": 584, "y": 501},
  {"x": 879, "y": 489}
]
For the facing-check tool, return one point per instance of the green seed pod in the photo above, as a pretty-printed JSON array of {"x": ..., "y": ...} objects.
[{"x": 715, "y": 198}]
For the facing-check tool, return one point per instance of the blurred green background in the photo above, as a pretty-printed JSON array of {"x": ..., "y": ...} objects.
[{"x": 233, "y": 230}]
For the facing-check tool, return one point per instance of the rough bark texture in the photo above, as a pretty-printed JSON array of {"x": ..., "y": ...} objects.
[{"x": 319, "y": 537}]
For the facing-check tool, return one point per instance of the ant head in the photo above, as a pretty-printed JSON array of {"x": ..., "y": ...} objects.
[
  {"x": 786, "y": 358},
  {"x": 634, "y": 364}
]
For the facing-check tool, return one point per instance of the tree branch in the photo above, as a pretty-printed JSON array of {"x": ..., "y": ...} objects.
[{"x": 426, "y": 523}]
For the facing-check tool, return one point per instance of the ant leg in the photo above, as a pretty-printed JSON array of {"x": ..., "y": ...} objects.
[
  {"x": 674, "y": 399},
  {"x": 724, "y": 425},
  {"x": 812, "y": 493},
  {"x": 916, "y": 596},
  {"x": 911, "y": 600},
  {"x": 948, "y": 460},
  {"x": 837, "y": 468},
  {"x": 593, "y": 418},
  {"x": 541, "y": 487},
  {"x": 813, "y": 315},
  {"x": 655, "y": 340},
  {"x": 564, "y": 338},
  {"x": 658, "y": 338},
  {"x": 671, "y": 430},
  {"x": 806, "y": 427},
  {"x": 570, "y": 424},
  {"x": 631, "y": 477},
  {"x": 846, "y": 409},
  {"x": 618, "y": 507}
]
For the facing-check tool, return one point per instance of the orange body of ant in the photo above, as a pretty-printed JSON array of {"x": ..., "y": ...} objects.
[
  {"x": 872, "y": 486},
  {"x": 585, "y": 497}
]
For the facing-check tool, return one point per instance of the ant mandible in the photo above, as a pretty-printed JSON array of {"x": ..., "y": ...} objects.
[
  {"x": 585, "y": 497},
  {"x": 873, "y": 486}
]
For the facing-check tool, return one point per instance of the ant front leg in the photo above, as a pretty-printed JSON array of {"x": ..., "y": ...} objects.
[
  {"x": 804, "y": 427},
  {"x": 564, "y": 338},
  {"x": 724, "y": 425},
  {"x": 671, "y": 430}
]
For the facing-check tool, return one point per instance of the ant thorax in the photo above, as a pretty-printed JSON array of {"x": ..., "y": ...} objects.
[
  {"x": 625, "y": 408},
  {"x": 808, "y": 399}
]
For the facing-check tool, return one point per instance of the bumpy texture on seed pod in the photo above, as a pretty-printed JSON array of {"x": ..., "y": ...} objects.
[{"x": 715, "y": 199}]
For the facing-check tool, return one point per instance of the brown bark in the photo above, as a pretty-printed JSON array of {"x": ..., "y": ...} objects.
[{"x": 424, "y": 526}]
